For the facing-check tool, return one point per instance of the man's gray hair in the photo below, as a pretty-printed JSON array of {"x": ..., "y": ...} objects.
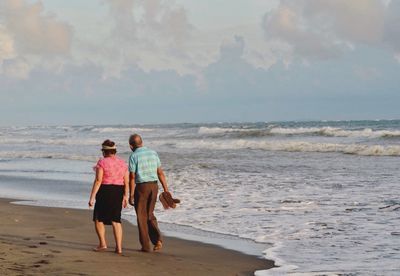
[{"x": 135, "y": 140}]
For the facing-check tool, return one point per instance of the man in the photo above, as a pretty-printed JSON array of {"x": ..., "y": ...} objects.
[{"x": 144, "y": 172}]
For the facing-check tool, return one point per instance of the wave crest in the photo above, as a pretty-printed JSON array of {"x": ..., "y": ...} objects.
[
  {"x": 301, "y": 131},
  {"x": 296, "y": 146},
  {"x": 46, "y": 155}
]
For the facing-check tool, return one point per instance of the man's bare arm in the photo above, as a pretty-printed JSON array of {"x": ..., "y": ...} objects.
[
  {"x": 163, "y": 180},
  {"x": 132, "y": 185}
]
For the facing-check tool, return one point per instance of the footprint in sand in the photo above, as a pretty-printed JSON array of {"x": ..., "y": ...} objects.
[
  {"x": 15, "y": 269},
  {"x": 28, "y": 252},
  {"x": 32, "y": 246},
  {"x": 43, "y": 243},
  {"x": 27, "y": 239},
  {"x": 43, "y": 262},
  {"x": 55, "y": 251}
]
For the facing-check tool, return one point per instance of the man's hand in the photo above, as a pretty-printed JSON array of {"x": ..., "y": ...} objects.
[{"x": 132, "y": 200}]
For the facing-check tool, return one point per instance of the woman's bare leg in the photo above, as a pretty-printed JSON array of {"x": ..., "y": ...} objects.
[
  {"x": 101, "y": 233},
  {"x": 117, "y": 229}
]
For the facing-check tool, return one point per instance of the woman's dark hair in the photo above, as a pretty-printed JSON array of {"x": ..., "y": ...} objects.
[{"x": 109, "y": 143}]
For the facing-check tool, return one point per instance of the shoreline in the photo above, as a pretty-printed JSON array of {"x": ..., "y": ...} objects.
[
  {"x": 185, "y": 232},
  {"x": 58, "y": 241}
]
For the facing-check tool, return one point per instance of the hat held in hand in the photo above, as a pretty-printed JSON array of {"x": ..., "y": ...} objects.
[{"x": 167, "y": 201}]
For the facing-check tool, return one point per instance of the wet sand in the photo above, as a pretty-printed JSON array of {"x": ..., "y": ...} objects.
[{"x": 57, "y": 241}]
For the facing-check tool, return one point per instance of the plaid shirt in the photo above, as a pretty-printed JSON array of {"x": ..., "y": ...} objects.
[{"x": 144, "y": 163}]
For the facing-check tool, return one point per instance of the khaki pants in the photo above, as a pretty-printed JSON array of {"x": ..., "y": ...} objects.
[{"x": 145, "y": 201}]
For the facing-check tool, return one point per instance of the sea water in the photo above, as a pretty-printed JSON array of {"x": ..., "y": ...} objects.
[{"x": 319, "y": 198}]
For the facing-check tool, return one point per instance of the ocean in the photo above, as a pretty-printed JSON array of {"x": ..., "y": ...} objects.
[{"x": 319, "y": 198}]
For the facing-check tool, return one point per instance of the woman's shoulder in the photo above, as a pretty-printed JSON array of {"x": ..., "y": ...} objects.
[
  {"x": 100, "y": 160},
  {"x": 120, "y": 160},
  {"x": 99, "y": 164}
]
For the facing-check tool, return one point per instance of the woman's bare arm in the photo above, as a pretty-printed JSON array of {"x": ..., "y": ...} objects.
[{"x": 96, "y": 186}]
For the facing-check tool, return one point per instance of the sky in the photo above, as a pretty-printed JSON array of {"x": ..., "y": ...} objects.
[{"x": 172, "y": 61}]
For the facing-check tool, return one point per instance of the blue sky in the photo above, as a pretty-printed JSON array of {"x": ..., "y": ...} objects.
[{"x": 153, "y": 61}]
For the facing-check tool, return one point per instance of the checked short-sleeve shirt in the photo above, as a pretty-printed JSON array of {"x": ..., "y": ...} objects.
[{"x": 144, "y": 163}]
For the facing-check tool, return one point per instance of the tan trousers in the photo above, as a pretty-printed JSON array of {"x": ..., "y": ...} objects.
[{"x": 145, "y": 201}]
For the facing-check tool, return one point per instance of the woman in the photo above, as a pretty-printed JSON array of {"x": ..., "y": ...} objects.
[{"x": 110, "y": 192}]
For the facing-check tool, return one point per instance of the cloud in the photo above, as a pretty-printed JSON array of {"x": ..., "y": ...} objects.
[
  {"x": 121, "y": 12},
  {"x": 392, "y": 23},
  {"x": 326, "y": 29},
  {"x": 367, "y": 73},
  {"x": 16, "y": 68},
  {"x": 28, "y": 35},
  {"x": 150, "y": 34},
  {"x": 232, "y": 49},
  {"x": 235, "y": 91},
  {"x": 33, "y": 31},
  {"x": 7, "y": 49}
]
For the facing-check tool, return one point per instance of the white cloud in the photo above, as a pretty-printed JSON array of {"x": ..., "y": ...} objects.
[
  {"x": 151, "y": 34},
  {"x": 34, "y": 32},
  {"x": 28, "y": 36},
  {"x": 392, "y": 26},
  {"x": 158, "y": 35},
  {"x": 325, "y": 29},
  {"x": 6, "y": 45},
  {"x": 232, "y": 49},
  {"x": 367, "y": 73},
  {"x": 16, "y": 68}
]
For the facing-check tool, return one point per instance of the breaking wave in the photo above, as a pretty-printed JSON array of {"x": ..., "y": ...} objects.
[
  {"x": 56, "y": 141},
  {"x": 45, "y": 155},
  {"x": 120, "y": 129},
  {"x": 301, "y": 131},
  {"x": 295, "y": 146}
]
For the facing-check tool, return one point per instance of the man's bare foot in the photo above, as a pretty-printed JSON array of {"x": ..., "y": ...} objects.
[{"x": 158, "y": 246}]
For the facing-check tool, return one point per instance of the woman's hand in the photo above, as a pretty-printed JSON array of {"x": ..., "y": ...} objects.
[
  {"x": 91, "y": 202},
  {"x": 125, "y": 202}
]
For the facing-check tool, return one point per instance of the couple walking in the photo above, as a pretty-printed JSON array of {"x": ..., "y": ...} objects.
[{"x": 115, "y": 180}]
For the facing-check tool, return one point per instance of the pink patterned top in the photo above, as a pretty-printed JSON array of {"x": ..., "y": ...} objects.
[{"x": 114, "y": 169}]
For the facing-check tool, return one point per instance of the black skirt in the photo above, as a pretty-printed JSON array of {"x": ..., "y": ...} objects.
[{"x": 108, "y": 206}]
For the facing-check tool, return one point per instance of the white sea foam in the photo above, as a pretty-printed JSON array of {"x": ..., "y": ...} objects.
[
  {"x": 46, "y": 155},
  {"x": 316, "y": 131},
  {"x": 294, "y": 146},
  {"x": 337, "y": 132},
  {"x": 219, "y": 130},
  {"x": 53, "y": 141},
  {"x": 282, "y": 268},
  {"x": 121, "y": 129}
]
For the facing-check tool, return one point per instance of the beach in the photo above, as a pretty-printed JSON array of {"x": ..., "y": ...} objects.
[{"x": 59, "y": 241}]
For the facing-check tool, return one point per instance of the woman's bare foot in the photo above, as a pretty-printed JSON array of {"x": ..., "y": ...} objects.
[{"x": 100, "y": 248}]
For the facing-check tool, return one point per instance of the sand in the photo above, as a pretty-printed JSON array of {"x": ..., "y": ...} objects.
[{"x": 57, "y": 241}]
